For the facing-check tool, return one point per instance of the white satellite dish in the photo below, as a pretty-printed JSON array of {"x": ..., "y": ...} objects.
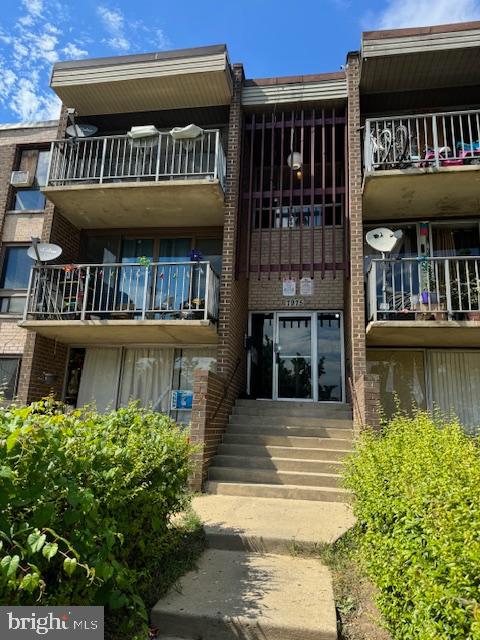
[
  {"x": 383, "y": 239},
  {"x": 44, "y": 252},
  {"x": 81, "y": 130}
]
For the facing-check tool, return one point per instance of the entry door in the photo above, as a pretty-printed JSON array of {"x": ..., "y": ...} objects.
[{"x": 294, "y": 357}]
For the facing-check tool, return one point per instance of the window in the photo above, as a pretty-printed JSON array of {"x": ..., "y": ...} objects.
[
  {"x": 14, "y": 276},
  {"x": 9, "y": 368},
  {"x": 16, "y": 268},
  {"x": 31, "y": 198}
]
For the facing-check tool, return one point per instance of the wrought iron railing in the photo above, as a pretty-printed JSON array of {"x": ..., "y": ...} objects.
[
  {"x": 112, "y": 159},
  {"x": 424, "y": 289},
  {"x": 134, "y": 291},
  {"x": 422, "y": 141}
]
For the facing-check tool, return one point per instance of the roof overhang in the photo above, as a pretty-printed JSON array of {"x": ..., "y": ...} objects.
[
  {"x": 420, "y": 58},
  {"x": 294, "y": 89},
  {"x": 179, "y": 79}
]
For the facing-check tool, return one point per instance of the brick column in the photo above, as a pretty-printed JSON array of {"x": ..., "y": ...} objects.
[
  {"x": 355, "y": 297},
  {"x": 209, "y": 417},
  {"x": 233, "y": 309}
]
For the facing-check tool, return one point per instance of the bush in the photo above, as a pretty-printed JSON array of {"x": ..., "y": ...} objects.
[
  {"x": 85, "y": 504},
  {"x": 417, "y": 490}
]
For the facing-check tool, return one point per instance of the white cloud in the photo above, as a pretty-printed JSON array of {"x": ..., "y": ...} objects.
[
  {"x": 45, "y": 33},
  {"x": 420, "y": 13},
  {"x": 114, "y": 22},
  {"x": 72, "y": 51}
]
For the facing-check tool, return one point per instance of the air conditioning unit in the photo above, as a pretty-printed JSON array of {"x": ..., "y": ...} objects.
[{"x": 21, "y": 179}]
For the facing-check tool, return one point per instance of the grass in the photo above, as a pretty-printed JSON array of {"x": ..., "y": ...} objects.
[{"x": 354, "y": 594}]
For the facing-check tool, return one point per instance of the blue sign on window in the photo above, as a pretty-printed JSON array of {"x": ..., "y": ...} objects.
[{"x": 181, "y": 400}]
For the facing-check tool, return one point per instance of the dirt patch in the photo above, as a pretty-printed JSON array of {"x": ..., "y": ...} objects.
[{"x": 358, "y": 615}]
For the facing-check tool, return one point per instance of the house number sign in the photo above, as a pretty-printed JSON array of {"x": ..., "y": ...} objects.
[{"x": 295, "y": 302}]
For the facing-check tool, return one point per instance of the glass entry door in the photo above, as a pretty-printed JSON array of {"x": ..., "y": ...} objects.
[
  {"x": 293, "y": 349},
  {"x": 296, "y": 356}
]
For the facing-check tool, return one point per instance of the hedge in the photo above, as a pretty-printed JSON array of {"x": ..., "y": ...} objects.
[
  {"x": 417, "y": 488},
  {"x": 85, "y": 504}
]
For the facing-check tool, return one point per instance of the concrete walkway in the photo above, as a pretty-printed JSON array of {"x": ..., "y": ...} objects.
[
  {"x": 270, "y": 525},
  {"x": 251, "y": 584}
]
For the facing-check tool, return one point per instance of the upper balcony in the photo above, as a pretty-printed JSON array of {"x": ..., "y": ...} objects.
[
  {"x": 120, "y": 181},
  {"x": 422, "y": 165},
  {"x": 125, "y": 303},
  {"x": 421, "y": 302}
]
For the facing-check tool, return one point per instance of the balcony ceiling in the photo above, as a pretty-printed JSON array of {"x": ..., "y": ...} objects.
[
  {"x": 110, "y": 332},
  {"x": 423, "y": 58},
  {"x": 147, "y": 82},
  {"x": 424, "y": 333},
  {"x": 177, "y": 203},
  {"x": 409, "y": 193}
]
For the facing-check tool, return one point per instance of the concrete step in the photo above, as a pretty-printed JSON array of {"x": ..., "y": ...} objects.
[
  {"x": 280, "y": 464},
  {"x": 305, "y": 453},
  {"x": 339, "y": 422},
  {"x": 289, "y": 430},
  {"x": 236, "y": 594},
  {"x": 292, "y": 408},
  {"x": 289, "y": 492},
  {"x": 272, "y": 476},
  {"x": 269, "y": 525},
  {"x": 287, "y": 441}
]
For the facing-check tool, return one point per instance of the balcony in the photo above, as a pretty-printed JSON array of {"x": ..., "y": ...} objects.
[
  {"x": 419, "y": 165},
  {"x": 424, "y": 302},
  {"x": 164, "y": 303},
  {"x": 117, "y": 181}
]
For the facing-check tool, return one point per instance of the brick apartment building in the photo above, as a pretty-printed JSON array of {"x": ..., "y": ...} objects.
[{"x": 229, "y": 259}]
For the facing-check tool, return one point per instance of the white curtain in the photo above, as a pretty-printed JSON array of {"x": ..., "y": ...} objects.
[
  {"x": 147, "y": 376},
  {"x": 99, "y": 380},
  {"x": 455, "y": 379}
]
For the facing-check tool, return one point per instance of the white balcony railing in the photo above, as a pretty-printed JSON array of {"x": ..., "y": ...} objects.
[
  {"x": 113, "y": 159},
  {"x": 422, "y": 141},
  {"x": 424, "y": 289},
  {"x": 156, "y": 291}
]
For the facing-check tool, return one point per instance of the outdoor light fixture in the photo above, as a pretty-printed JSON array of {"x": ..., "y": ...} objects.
[
  {"x": 49, "y": 378},
  {"x": 295, "y": 161}
]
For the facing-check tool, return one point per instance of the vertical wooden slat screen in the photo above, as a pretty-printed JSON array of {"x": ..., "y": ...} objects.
[{"x": 276, "y": 198}]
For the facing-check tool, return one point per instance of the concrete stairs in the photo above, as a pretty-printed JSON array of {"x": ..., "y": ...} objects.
[
  {"x": 251, "y": 583},
  {"x": 283, "y": 450}
]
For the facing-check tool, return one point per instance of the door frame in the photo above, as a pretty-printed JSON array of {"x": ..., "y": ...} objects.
[{"x": 313, "y": 314}]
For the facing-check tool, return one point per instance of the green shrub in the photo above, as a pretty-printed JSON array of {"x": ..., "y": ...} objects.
[
  {"x": 417, "y": 490},
  {"x": 85, "y": 504}
]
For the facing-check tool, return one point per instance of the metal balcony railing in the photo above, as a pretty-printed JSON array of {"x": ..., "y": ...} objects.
[
  {"x": 422, "y": 141},
  {"x": 132, "y": 291},
  {"x": 113, "y": 159},
  {"x": 424, "y": 289}
]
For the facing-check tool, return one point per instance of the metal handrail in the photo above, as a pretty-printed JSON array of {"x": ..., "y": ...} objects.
[
  {"x": 423, "y": 287},
  {"x": 441, "y": 139},
  {"x": 141, "y": 290},
  {"x": 117, "y": 158}
]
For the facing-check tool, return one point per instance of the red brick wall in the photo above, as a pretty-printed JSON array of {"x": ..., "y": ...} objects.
[
  {"x": 366, "y": 402},
  {"x": 209, "y": 417},
  {"x": 41, "y": 356}
]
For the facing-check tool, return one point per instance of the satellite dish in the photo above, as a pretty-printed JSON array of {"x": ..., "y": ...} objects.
[
  {"x": 383, "y": 239},
  {"x": 81, "y": 130},
  {"x": 44, "y": 252}
]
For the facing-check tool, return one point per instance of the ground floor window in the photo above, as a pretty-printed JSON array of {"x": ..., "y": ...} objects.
[
  {"x": 9, "y": 370},
  {"x": 296, "y": 355},
  {"x": 110, "y": 377},
  {"x": 445, "y": 379}
]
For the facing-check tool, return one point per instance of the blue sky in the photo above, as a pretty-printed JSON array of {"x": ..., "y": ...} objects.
[{"x": 271, "y": 37}]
